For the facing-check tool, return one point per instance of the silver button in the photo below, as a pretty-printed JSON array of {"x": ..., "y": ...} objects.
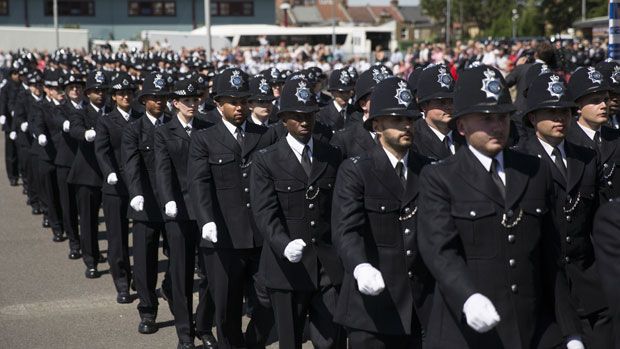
[
  {"x": 408, "y": 252},
  {"x": 407, "y": 231},
  {"x": 407, "y": 210},
  {"x": 312, "y": 223},
  {"x": 538, "y": 210},
  {"x": 472, "y": 213},
  {"x": 329, "y": 185},
  {"x": 605, "y": 165},
  {"x": 313, "y": 240},
  {"x": 511, "y": 238},
  {"x": 512, "y": 263},
  {"x": 569, "y": 240},
  {"x": 311, "y": 206},
  {"x": 410, "y": 274},
  {"x": 569, "y": 218},
  {"x": 514, "y": 288},
  {"x": 567, "y": 259},
  {"x": 382, "y": 208},
  {"x": 609, "y": 183},
  {"x": 288, "y": 188},
  {"x": 247, "y": 205},
  {"x": 244, "y": 174},
  {"x": 247, "y": 190},
  {"x": 219, "y": 160},
  {"x": 509, "y": 213},
  {"x": 310, "y": 188}
]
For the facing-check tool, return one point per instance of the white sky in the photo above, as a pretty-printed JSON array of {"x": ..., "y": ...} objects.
[{"x": 383, "y": 2}]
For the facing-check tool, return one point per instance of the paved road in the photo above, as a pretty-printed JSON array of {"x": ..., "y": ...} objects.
[{"x": 45, "y": 300}]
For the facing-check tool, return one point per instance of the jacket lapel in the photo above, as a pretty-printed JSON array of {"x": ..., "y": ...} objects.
[
  {"x": 252, "y": 136},
  {"x": 177, "y": 129},
  {"x": 363, "y": 138},
  {"x": 319, "y": 161},
  {"x": 516, "y": 181},
  {"x": 609, "y": 145},
  {"x": 227, "y": 139},
  {"x": 538, "y": 150},
  {"x": 476, "y": 176},
  {"x": 385, "y": 172},
  {"x": 414, "y": 166},
  {"x": 574, "y": 169},
  {"x": 289, "y": 162}
]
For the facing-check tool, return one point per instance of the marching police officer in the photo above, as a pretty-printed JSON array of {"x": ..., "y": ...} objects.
[
  {"x": 261, "y": 100},
  {"x": 220, "y": 161},
  {"x": 337, "y": 113},
  {"x": 611, "y": 71},
  {"x": 171, "y": 155},
  {"x": 115, "y": 197},
  {"x": 7, "y": 97},
  {"x": 386, "y": 286},
  {"x": 494, "y": 222},
  {"x": 138, "y": 157},
  {"x": 292, "y": 183}
]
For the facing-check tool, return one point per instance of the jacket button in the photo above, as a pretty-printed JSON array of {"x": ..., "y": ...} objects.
[
  {"x": 246, "y": 190},
  {"x": 567, "y": 259},
  {"x": 509, "y": 213},
  {"x": 244, "y": 174},
  {"x": 605, "y": 165},
  {"x": 410, "y": 274},
  {"x": 311, "y": 206},
  {"x": 514, "y": 288},
  {"x": 472, "y": 213},
  {"x": 219, "y": 160},
  {"x": 512, "y": 263},
  {"x": 511, "y": 238},
  {"x": 609, "y": 183},
  {"x": 313, "y": 240},
  {"x": 247, "y": 205},
  {"x": 329, "y": 185},
  {"x": 407, "y": 231},
  {"x": 538, "y": 210},
  {"x": 407, "y": 210},
  {"x": 312, "y": 223},
  {"x": 310, "y": 188},
  {"x": 408, "y": 253},
  {"x": 569, "y": 240},
  {"x": 569, "y": 218},
  {"x": 288, "y": 188},
  {"x": 382, "y": 208}
]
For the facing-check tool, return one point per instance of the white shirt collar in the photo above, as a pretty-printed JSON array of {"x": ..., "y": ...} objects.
[
  {"x": 232, "y": 128},
  {"x": 36, "y": 98},
  {"x": 25, "y": 86},
  {"x": 394, "y": 161},
  {"x": 55, "y": 102},
  {"x": 486, "y": 162},
  {"x": 76, "y": 105},
  {"x": 549, "y": 150},
  {"x": 48, "y": 98},
  {"x": 184, "y": 125},
  {"x": 124, "y": 114},
  {"x": 257, "y": 120},
  {"x": 95, "y": 107},
  {"x": 338, "y": 107},
  {"x": 154, "y": 119},
  {"x": 298, "y": 147},
  {"x": 589, "y": 132}
]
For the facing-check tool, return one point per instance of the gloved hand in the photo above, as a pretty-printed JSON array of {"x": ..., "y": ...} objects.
[
  {"x": 209, "y": 232},
  {"x": 66, "y": 125},
  {"x": 42, "y": 140},
  {"x": 2, "y": 119},
  {"x": 112, "y": 178},
  {"x": 13, "y": 135},
  {"x": 369, "y": 279},
  {"x": 24, "y": 126},
  {"x": 574, "y": 342},
  {"x": 294, "y": 250},
  {"x": 137, "y": 203},
  {"x": 480, "y": 313},
  {"x": 89, "y": 135},
  {"x": 171, "y": 209}
]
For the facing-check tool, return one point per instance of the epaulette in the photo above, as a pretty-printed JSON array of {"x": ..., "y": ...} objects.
[{"x": 355, "y": 159}]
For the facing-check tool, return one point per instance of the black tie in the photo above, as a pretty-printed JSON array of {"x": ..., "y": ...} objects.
[
  {"x": 305, "y": 160},
  {"x": 400, "y": 171},
  {"x": 446, "y": 143},
  {"x": 496, "y": 179},
  {"x": 239, "y": 137},
  {"x": 188, "y": 130},
  {"x": 157, "y": 122},
  {"x": 559, "y": 163},
  {"x": 597, "y": 139}
]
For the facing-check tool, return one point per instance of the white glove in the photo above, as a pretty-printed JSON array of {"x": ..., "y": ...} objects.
[
  {"x": 209, "y": 232},
  {"x": 12, "y": 135},
  {"x": 171, "y": 209},
  {"x": 89, "y": 135},
  {"x": 42, "y": 140},
  {"x": 369, "y": 279},
  {"x": 480, "y": 313},
  {"x": 112, "y": 178},
  {"x": 574, "y": 342},
  {"x": 24, "y": 126},
  {"x": 294, "y": 250},
  {"x": 2, "y": 119},
  {"x": 66, "y": 125},
  {"x": 137, "y": 203}
]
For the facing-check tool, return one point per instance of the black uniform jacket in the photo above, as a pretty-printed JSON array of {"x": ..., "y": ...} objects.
[
  {"x": 575, "y": 204},
  {"x": 108, "y": 149},
  {"x": 428, "y": 144},
  {"x": 85, "y": 169},
  {"x": 374, "y": 221},
  {"x": 138, "y": 155},
  {"x": 219, "y": 175},
  {"x": 290, "y": 205},
  {"x": 24, "y": 106},
  {"x": 330, "y": 117},
  {"x": 609, "y": 156},
  {"x": 353, "y": 140},
  {"x": 171, "y": 156},
  {"x": 475, "y": 242},
  {"x": 66, "y": 146},
  {"x": 43, "y": 124}
]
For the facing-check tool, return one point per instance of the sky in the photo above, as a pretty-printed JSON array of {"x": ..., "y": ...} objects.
[{"x": 383, "y": 2}]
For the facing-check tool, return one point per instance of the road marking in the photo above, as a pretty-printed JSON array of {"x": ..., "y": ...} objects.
[{"x": 59, "y": 306}]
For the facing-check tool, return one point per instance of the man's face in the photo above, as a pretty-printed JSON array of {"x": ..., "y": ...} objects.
[
  {"x": 234, "y": 109},
  {"x": 35, "y": 89},
  {"x": 299, "y": 125},
  {"x": 187, "y": 106},
  {"x": 593, "y": 108},
  {"x": 614, "y": 103},
  {"x": 74, "y": 91},
  {"x": 56, "y": 93},
  {"x": 551, "y": 123},
  {"x": 488, "y": 133},
  {"x": 438, "y": 110},
  {"x": 154, "y": 105},
  {"x": 276, "y": 88},
  {"x": 262, "y": 109},
  {"x": 15, "y": 77},
  {"x": 95, "y": 96},
  {"x": 395, "y": 131},
  {"x": 342, "y": 97},
  {"x": 364, "y": 104},
  {"x": 123, "y": 98}
]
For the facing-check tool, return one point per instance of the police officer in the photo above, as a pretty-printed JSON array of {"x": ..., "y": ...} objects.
[
  {"x": 261, "y": 100},
  {"x": 114, "y": 190},
  {"x": 336, "y": 113},
  {"x": 292, "y": 183},
  {"x": 7, "y": 96},
  {"x": 494, "y": 222},
  {"x": 171, "y": 155},
  {"x": 433, "y": 136},
  {"x": 138, "y": 157},
  {"x": 591, "y": 130},
  {"x": 220, "y": 161},
  {"x": 577, "y": 181},
  {"x": 85, "y": 173},
  {"x": 386, "y": 285},
  {"x": 611, "y": 71}
]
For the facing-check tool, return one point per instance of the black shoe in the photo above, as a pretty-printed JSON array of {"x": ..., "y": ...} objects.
[
  {"x": 45, "y": 223},
  {"x": 101, "y": 259},
  {"x": 75, "y": 254},
  {"x": 188, "y": 345},
  {"x": 208, "y": 341},
  {"x": 36, "y": 211},
  {"x": 123, "y": 298},
  {"x": 59, "y": 236},
  {"x": 13, "y": 182},
  {"x": 147, "y": 326},
  {"x": 92, "y": 273}
]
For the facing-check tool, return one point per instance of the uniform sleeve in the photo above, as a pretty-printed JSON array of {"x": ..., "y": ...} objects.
[
  {"x": 131, "y": 158},
  {"x": 103, "y": 148},
  {"x": 163, "y": 166},
  {"x": 77, "y": 129},
  {"x": 200, "y": 179},
  {"x": 37, "y": 120},
  {"x": 440, "y": 242}
]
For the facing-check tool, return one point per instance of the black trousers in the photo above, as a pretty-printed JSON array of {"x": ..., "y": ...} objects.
[
  {"x": 182, "y": 237},
  {"x": 50, "y": 194},
  {"x": 89, "y": 201},
  {"x": 230, "y": 272},
  {"x": 68, "y": 203},
  {"x": 145, "y": 249},
  {"x": 205, "y": 310},
  {"x": 23, "y": 157},
  {"x": 117, "y": 226},
  {"x": 359, "y": 339},
  {"x": 598, "y": 331},
  {"x": 32, "y": 169},
  {"x": 10, "y": 158},
  {"x": 291, "y": 308}
]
